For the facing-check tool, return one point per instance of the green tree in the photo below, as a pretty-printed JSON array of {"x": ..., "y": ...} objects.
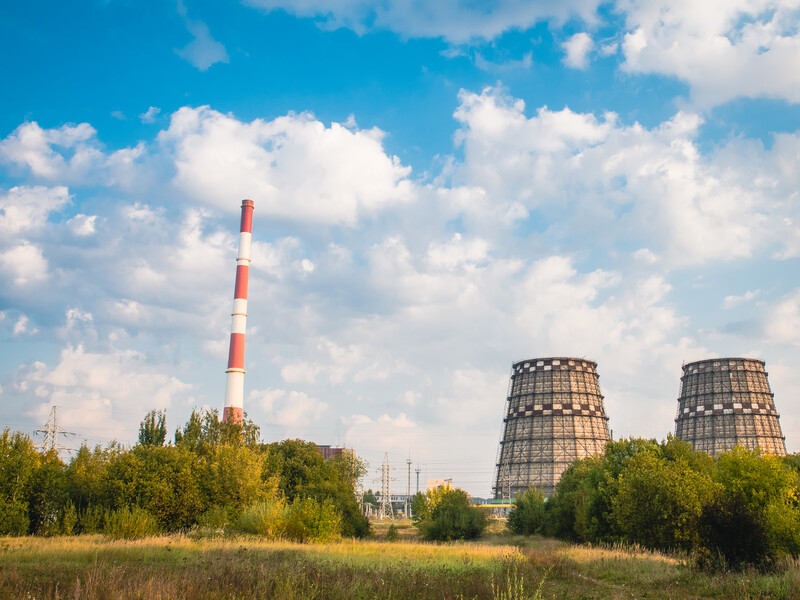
[
  {"x": 753, "y": 516},
  {"x": 528, "y": 516},
  {"x": 153, "y": 429},
  {"x": 659, "y": 502},
  {"x": 453, "y": 517},
  {"x": 19, "y": 461}
]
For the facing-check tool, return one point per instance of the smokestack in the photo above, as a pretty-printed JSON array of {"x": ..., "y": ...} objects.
[{"x": 234, "y": 384}]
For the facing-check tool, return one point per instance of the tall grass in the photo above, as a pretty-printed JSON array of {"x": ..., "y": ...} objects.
[{"x": 93, "y": 567}]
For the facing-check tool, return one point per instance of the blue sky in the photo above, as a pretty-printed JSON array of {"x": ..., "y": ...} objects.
[{"x": 440, "y": 189}]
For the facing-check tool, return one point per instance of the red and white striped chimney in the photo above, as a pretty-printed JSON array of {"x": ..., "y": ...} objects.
[{"x": 234, "y": 384}]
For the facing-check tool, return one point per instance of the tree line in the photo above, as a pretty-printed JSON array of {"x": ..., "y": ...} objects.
[
  {"x": 738, "y": 509},
  {"x": 212, "y": 474}
]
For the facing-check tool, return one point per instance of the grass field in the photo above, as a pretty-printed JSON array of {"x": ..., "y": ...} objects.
[{"x": 499, "y": 567}]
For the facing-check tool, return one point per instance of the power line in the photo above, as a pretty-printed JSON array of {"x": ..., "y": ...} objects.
[{"x": 51, "y": 432}]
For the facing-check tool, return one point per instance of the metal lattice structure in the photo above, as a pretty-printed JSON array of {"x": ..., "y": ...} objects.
[
  {"x": 727, "y": 402},
  {"x": 554, "y": 416}
]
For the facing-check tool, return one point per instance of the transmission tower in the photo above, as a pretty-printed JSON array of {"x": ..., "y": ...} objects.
[
  {"x": 51, "y": 432},
  {"x": 385, "y": 509}
]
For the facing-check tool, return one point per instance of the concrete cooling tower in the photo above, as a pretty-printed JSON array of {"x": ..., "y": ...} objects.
[
  {"x": 727, "y": 402},
  {"x": 554, "y": 416}
]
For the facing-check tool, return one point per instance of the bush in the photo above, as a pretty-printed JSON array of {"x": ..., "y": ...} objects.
[
  {"x": 91, "y": 520},
  {"x": 130, "y": 524},
  {"x": 453, "y": 518},
  {"x": 266, "y": 518},
  {"x": 528, "y": 515},
  {"x": 753, "y": 517},
  {"x": 214, "y": 518},
  {"x": 303, "y": 520}
]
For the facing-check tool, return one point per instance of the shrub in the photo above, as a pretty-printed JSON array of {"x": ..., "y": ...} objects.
[
  {"x": 130, "y": 524},
  {"x": 267, "y": 518},
  {"x": 91, "y": 520},
  {"x": 215, "y": 518},
  {"x": 528, "y": 515},
  {"x": 453, "y": 518},
  {"x": 309, "y": 520}
]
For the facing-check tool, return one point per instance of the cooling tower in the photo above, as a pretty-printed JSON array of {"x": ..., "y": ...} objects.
[
  {"x": 554, "y": 416},
  {"x": 726, "y": 402}
]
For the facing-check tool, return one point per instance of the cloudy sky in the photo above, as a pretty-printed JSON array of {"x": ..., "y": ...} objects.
[{"x": 441, "y": 189}]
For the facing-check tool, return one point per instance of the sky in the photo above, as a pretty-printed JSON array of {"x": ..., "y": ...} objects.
[{"x": 441, "y": 189}]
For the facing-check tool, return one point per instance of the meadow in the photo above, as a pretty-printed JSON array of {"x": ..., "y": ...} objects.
[{"x": 207, "y": 564}]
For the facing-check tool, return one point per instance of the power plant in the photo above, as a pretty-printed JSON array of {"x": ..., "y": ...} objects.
[
  {"x": 234, "y": 382},
  {"x": 727, "y": 402},
  {"x": 554, "y": 415}
]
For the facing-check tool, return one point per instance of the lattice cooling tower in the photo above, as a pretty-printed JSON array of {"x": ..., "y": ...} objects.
[
  {"x": 726, "y": 402},
  {"x": 554, "y": 416}
]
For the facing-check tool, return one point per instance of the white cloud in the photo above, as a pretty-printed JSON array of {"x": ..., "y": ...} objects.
[
  {"x": 292, "y": 410},
  {"x": 203, "y": 51},
  {"x": 293, "y": 167},
  {"x": 782, "y": 324},
  {"x": 455, "y": 20},
  {"x": 722, "y": 49},
  {"x": 601, "y": 180},
  {"x": 149, "y": 116},
  {"x": 21, "y": 326},
  {"x": 70, "y": 154},
  {"x": 25, "y": 208},
  {"x": 577, "y": 49},
  {"x": 24, "y": 263},
  {"x": 82, "y": 225},
  {"x": 102, "y": 394},
  {"x": 734, "y": 301}
]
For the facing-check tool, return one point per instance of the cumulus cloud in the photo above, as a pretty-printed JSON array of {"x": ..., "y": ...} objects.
[
  {"x": 577, "y": 49},
  {"x": 723, "y": 50},
  {"x": 295, "y": 166},
  {"x": 599, "y": 178},
  {"x": 69, "y": 154},
  {"x": 24, "y": 264},
  {"x": 25, "y": 208},
  {"x": 103, "y": 394}
]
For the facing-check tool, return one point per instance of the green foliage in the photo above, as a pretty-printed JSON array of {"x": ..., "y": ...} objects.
[
  {"x": 212, "y": 473},
  {"x": 419, "y": 508},
  {"x": 130, "y": 524},
  {"x": 580, "y": 508},
  {"x": 91, "y": 520},
  {"x": 753, "y": 515},
  {"x": 658, "y": 502},
  {"x": 452, "y": 517},
  {"x": 267, "y": 518},
  {"x": 528, "y": 515},
  {"x": 302, "y": 520},
  {"x": 153, "y": 429},
  {"x": 391, "y": 534},
  {"x": 303, "y": 472}
]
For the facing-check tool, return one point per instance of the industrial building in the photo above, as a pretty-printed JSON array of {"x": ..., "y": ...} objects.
[
  {"x": 554, "y": 415},
  {"x": 727, "y": 402}
]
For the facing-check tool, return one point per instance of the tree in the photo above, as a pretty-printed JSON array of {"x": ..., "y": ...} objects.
[
  {"x": 659, "y": 502},
  {"x": 453, "y": 517},
  {"x": 153, "y": 429},
  {"x": 753, "y": 516},
  {"x": 528, "y": 515}
]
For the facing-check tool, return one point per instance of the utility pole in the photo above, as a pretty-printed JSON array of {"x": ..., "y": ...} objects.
[
  {"x": 417, "y": 471},
  {"x": 408, "y": 492},
  {"x": 51, "y": 432}
]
